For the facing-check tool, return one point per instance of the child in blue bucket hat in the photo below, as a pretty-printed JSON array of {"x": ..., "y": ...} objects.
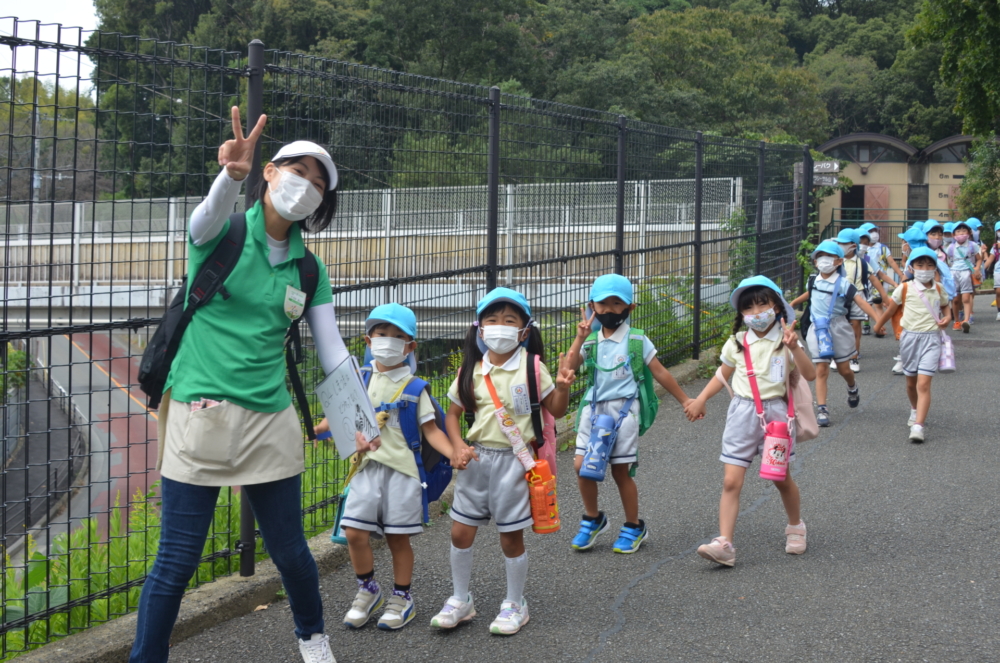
[
  {"x": 964, "y": 260},
  {"x": 832, "y": 298},
  {"x": 861, "y": 277},
  {"x": 621, "y": 366},
  {"x": 992, "y": 261},
  {"x": 774, "y": 349}
]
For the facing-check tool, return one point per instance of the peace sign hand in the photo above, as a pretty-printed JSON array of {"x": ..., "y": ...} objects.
[
  {"x": 566, "y": 376},
  {"x": 789, "y": 337},
  {"x": 586, "y": 324},
  {"x": 237, "y": 154}
]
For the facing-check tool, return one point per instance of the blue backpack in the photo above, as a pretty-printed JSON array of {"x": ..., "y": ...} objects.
[{"x": 435, "y": 470}]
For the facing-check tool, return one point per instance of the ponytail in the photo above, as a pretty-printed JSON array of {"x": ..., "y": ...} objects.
[{"x": 471, "y": 355}]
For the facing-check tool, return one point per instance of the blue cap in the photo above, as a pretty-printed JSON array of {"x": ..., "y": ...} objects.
[
  {"x": 949, "y": 227},
  {"x": 611, "y": 285},
  {"x": 963, "y": 224},
  {"x": 760, "y": 280},
  {"x": 828, "y": 246},
  {"x": 922, "y": 252},
  {"x": 914, "y": 234},
  {"x": 973, "y": 222},
  {"x": 996, "y": 227},
  {"x": 503, "y": 295},
  {"x": 393, "y": 314},
  {"x": 848, "y": 236},
  {"x": 867, "y": 227},
  {"x": 930, "y": 224}
]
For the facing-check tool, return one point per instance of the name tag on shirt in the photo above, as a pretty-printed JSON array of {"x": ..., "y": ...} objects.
[
  {"x": 520, "y": 398},
  {"x": 393, "y": 419},
  {"x": 777, "y": 369},
  {"x": 623, "y": 372},
  {"x": 295, "y": 302}
]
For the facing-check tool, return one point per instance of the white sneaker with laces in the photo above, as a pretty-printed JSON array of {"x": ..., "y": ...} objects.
[
  {"x": 511, "y": 618},
  {"x": 454, "y": 613},
  {"x": 916, "y": 433},
  {"x": 316, "y": 649},
  {"x": 913, "y": 418}
]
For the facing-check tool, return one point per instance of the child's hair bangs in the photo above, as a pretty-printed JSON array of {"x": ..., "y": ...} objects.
[
  {"x": 757, "y": 295},
  {"x": 498, "y": 307}
]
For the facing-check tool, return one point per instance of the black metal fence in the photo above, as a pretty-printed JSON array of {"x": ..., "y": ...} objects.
[{"x": 447, "y": 190}]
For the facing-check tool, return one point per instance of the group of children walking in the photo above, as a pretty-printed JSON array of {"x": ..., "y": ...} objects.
[{"x": 503, "y": 382}]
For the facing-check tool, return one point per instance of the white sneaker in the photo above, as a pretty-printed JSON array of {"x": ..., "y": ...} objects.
[
  {"x": 916, "y": 433},
  {"x": 316, "y": 649},
  {"x": 454, "y": 613},
  {"x": 897, "y": 369},
  {"x": 833, "y": 363},
  {"x": 365, "y": 603},
  {"x": 855, "y": 366},
  {"x": 511, "y": 618},
  {"x": 913, "y": 418},
  {"x": 399, "y": 611},
  {"x": 998, "y": 316}
]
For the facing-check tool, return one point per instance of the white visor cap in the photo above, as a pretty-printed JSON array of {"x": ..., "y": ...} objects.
[{"x": 306, "y": 148}]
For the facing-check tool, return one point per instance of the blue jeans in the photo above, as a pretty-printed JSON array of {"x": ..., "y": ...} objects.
[{"x": 186, "y": 514}]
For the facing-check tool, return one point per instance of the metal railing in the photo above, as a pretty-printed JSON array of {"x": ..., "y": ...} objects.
[{"x": 447, "y": 190}]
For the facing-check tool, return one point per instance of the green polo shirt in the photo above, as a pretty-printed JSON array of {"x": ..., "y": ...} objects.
[{"x": 233, "y": 349}]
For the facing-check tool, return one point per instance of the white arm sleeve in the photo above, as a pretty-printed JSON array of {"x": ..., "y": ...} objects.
[
  {"x": 323, "y": 324},
  {"x": 211, "y": 214}
]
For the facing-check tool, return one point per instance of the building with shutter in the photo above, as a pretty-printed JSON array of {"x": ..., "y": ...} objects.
[{"x": 894, "y": 181}]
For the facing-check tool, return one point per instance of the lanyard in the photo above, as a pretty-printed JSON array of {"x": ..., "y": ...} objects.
[
  {"x": 508, "y": 426},
  {"x": 382, "y": 417}
]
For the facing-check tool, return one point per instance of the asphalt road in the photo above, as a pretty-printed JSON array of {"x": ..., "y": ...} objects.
[{"x": 901, "y": 566}]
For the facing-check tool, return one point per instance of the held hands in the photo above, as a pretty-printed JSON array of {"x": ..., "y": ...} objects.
[
  {"x": 566, "y": 376},
  {"x": 463, "y": 456},
  {"x": 694, "y": 409},
  {"x": 237, "y": 154},
  {"x": 363, "y": 444},
  {"x": 586, "y": 325}
]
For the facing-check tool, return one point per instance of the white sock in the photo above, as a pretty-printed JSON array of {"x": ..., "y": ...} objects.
[
  {"x": 517, "y": 575},
  {"x": 461, "y": 571}
]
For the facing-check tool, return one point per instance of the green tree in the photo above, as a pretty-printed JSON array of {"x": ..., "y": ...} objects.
[
  {"x": 980, "y": 192},
  {"x": 969, "y": 33}
]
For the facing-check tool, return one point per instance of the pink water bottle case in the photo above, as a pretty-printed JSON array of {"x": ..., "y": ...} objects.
[{"x": 778, "y": 441}]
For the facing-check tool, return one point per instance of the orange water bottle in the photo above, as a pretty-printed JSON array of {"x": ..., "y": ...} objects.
[{"x": 542, "y": 493}]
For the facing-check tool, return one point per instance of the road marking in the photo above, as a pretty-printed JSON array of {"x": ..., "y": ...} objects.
[{"x": 111, "y": 377}]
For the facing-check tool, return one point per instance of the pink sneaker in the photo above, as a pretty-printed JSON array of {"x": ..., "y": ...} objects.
[
  {"x": 719, "y": 551},
  {"x": 795, "y": 538}
]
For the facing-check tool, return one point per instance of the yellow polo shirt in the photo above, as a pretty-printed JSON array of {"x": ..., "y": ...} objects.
[
  {"x": 770, "y": 363},
  {"x": 916, "y": 317},
  {"x": 395, "y": 453}
]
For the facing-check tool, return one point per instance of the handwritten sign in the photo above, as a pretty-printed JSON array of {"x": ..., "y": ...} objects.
[{"x": 347, "y": 408}]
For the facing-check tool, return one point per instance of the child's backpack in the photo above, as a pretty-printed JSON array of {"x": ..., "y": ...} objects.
[
  {"x": 806, "y": 318},
  {"x": 434, "y": 469},
  {"x": 542, "y": 422},
  {"x": 649, "y": 403}
]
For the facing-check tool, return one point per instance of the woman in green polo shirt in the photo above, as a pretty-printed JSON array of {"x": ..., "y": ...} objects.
[{"x": 226, "y": 418}]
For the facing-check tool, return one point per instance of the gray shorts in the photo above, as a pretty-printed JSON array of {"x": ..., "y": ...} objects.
[
  {"x": 920, "y": 352},
  {"x": 843, "y": 341},
  {"x": 963, "y": 281},
  {"x": 384, "y": 501},
  {"x": 494, "y": 486},
  {"x": 743, "y": 438},
  {"x": 626, "y": 449},
  {"x": 996, "y": 275}
]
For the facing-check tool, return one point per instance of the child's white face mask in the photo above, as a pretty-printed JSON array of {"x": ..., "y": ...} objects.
[
  {"x": 294, "y": 198},
  {"x": 924, "y": 275},
  {"x": 389, "y": 351},
  {"x": 825, "y": 264},
  {"x": 873, "y": 236},
  {"x": 501, "y": 338}
]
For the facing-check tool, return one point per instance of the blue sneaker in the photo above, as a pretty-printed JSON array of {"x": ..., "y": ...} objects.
[
  {"x": 822, "y": 416},
  {"x": 589, "y": 530},
  {"x": 630, "y": 538}
]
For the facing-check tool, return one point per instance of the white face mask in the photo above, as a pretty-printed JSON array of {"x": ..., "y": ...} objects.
[
  {"x": 501, "y": 338},
  {"x": 924, "y": 275},
  {"x": 825, "y": 264},
  {"x": 294, "y": 198},
  {"x": 873, "y": 236},
  {"x": 862, "y": 250},
  {"x": 389, "y": 351}
]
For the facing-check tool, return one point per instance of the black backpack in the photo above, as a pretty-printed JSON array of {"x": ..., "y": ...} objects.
[{"x": 210, "y": 279}]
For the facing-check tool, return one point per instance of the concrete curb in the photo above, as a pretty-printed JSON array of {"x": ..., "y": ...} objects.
[{"x": 233, "y": 596}]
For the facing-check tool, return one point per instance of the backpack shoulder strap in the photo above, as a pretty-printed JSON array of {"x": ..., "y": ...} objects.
[
  {"x": 408, "y": 401},
  {"x": 308, "y": 276},
  {"x": 534, "y": 381},
  {"x": 308, "y": 266},
  {"x": 635, "y": 349},
  {"x": 213, "y": 273}
]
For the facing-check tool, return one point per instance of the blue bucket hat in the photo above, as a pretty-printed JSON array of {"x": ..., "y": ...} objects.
[
  {"x": 922, "y": 252},
  {"x": 973, "y": 222},
  {"x": 914, "y": 235},
  {"x": 996, "y": 227},
  {"x": 848, "y": 236},
  {"x": 949, "y": 227},
  {"x": 828, "y": 246},
  {"x": 611, "y": 285},
  {"x": 393, "y": 314},
  {"x": 503, "y": 295},
  {"x": 931, "y": 224},
  {"x": 867, "y": 227},
  {"x": 759, "y": 280},
  {"x": 962, "y": 224}
]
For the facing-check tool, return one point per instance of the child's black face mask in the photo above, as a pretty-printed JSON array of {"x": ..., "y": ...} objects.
[{"x": 612, "y": 320}]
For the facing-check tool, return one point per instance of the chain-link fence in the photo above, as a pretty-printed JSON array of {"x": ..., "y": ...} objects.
[{"x": 447, "y": 190}]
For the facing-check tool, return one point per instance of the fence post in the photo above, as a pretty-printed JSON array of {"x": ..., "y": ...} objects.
[
  {"x": 699, "y": 154},
  {"x": 620, "y": 209},
  {"x": 760, "y": 207},
  {"x": 807, "y": 178},
  {"x": 255, "y": 108},
  {"x": 493, "y": 191}
]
